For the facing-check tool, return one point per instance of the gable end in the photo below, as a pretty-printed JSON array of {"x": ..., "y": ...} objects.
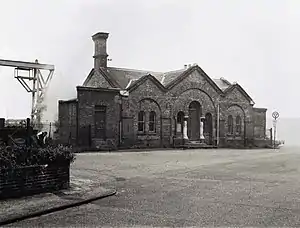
[
  {"x": 240, "y": 89},
  {"x": 188, "y": 72},
  {"x": 112, "y": 83},
  {"x": 141, "y": 80}
]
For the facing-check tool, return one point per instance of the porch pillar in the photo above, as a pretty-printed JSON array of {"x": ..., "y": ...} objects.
[
  {"x": 185, "y": 135},
  {"x": 201, "y": 129}
]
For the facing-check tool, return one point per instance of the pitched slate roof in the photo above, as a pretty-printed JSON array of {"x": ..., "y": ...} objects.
[
  {"x": 126, "y": 78},
  {"x": 123, "y": 76},
  {"x": 170, "y": 76},
  {"x": 222, "y": 83}
]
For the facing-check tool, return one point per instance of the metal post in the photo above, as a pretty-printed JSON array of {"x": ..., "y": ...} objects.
[
  {"x": 275, "y": 135},
  {"x": 275, "y": 115},
  {"x": 271, "y": 135},
  {"x": 33, "y": 94},
  {"x": 120, "y": 121}
]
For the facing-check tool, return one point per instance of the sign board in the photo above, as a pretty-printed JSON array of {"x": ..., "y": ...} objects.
[{"x": 275, "y": 115}]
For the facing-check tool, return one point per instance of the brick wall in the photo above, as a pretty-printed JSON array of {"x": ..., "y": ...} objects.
[
  {"x": 259, "y": 122},
  {"x": 33, "y": 180},
  {"x": 147, "y": 95},
  {"x": 67, "y": 115},
  {"x": 97, "y": 80},
  {"x": 192, "y": 88},
  {"x": 88, "y": 98}
]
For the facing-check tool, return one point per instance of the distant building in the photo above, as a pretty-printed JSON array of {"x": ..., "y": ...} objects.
[{"x": 125, "y": 108}]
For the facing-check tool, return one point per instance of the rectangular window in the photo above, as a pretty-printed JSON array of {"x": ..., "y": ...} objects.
[
  {"x": 100, "y": 121},
  {"x": 141, "y": 121}
]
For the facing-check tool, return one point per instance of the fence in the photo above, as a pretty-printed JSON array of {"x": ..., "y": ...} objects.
[{"x": 67, "y": 134}]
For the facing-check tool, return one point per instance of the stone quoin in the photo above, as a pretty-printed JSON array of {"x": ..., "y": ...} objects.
[{"x": 123, "y": 108}]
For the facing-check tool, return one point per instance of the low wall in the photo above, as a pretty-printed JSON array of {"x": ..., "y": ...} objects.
[
  {"x": 262, "y": 143},
  {"x": 33, "y": 180}
]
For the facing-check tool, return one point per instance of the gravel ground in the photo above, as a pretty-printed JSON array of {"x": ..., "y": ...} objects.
[{"x": 188, "y": 188}]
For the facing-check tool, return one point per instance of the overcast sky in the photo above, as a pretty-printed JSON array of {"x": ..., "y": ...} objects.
[{"x": 253, "y": 42}]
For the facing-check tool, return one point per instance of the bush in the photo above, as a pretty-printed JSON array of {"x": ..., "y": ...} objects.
[{"x": 15, "y": 157}]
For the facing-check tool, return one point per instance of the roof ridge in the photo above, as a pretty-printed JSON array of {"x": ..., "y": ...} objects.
[
  {"x": 173, "y": 71},
  {"x": 148, "y": 71},
  {"x": 136, "y": 70}
]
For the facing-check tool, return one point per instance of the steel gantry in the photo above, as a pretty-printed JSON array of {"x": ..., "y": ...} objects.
[{"x": 33, "y": 81}]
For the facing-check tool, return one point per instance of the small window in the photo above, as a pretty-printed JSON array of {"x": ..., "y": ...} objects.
[
  {"x": 141, "y": 121},
  {"x": 230, "y": 124},
  {"x": 152, "y": 117},
  {"x": 238, "y": 125}
]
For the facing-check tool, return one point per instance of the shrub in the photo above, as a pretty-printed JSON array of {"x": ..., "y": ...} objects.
[{"x": 20, "y": 156}]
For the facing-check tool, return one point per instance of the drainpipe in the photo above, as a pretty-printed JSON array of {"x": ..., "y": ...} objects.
[
  {"x": 218, "y": 125},
  {"x": 120, "y": 121}
]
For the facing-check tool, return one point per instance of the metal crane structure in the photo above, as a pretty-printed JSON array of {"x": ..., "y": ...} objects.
[{"x": 30, "y": 76}]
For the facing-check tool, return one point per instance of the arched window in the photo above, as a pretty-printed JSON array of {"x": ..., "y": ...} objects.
[
  {"x": 230, "y": 124},
  {"x": 238, "y": 125},
  {"x": 180, "y": 119},
  {"x": 141, "y": 121},
  {"x": 152, "y": 118}
]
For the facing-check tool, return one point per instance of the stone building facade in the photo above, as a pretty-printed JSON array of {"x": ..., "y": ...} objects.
[{"x": 119, "y": 107}]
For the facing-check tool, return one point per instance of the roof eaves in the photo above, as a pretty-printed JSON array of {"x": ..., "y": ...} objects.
[
  {"x": 89, "y": 77},
  {"x": 244, "y": 92},
  {"x": 236, "y": 85},
  {"x": 86, "y": 88}
]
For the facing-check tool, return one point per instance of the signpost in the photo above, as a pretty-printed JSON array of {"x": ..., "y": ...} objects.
[{"x": 275, "y": 116}]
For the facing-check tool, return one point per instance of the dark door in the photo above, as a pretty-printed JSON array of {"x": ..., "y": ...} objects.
[
  {"x": 208, "y": 128},
  {"x": 100, "y": 122},
  {"x": 194, "y": 121}
]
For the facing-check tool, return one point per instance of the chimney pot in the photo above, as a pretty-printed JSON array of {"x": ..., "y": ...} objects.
[{"x": 100, "y": 56}]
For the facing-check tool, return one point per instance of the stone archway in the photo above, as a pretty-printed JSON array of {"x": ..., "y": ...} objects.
[{"x": 194, "y": 121}]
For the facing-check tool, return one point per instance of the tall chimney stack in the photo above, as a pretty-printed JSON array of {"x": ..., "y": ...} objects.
[{"x": 100, "y": 56}]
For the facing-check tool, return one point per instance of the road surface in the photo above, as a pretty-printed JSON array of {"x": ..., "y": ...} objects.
[{"x": 188, "y": 188}]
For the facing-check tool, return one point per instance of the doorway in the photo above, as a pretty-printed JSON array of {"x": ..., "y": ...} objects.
[
  {"x": 208, "y": 128},
  {"x": 194, "y": 121}
]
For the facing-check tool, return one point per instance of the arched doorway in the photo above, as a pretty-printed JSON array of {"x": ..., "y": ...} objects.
[
  {"x": 208, "y": 128},
  {"x": 194, "y": 121}
]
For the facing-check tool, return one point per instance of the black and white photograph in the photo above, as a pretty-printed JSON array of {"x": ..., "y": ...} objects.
[{"x": 136, "y": 113}]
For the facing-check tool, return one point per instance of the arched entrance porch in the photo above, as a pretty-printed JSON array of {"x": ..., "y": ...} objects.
[{"x": 195, "y": 112}]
